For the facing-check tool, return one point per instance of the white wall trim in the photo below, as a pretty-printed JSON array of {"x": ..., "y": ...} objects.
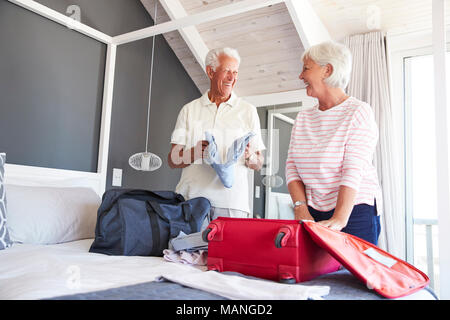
[
  {"x": 271, "y": 150},
  {"x": 50, "y": 177},
  {"x": 442, "y": 149},
  {"x": 270, "y": 99},
  {"x": 110, "y": 66}
]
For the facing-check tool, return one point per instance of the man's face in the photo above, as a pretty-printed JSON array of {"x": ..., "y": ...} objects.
[{"x": 225, "y": 76}]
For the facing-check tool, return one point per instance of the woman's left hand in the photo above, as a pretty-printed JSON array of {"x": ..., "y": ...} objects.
[{"x": 334, "y": 223}]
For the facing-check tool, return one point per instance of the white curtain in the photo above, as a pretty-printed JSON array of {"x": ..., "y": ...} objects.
[{"x": 370, "y": 83}]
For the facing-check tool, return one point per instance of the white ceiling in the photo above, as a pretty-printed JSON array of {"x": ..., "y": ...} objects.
[
  {"x": 346, "y": 17},
  {"x": 269, "y": 43}
]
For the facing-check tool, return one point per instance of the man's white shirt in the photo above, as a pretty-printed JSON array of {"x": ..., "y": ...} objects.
[{"x": 228, "y": 122}]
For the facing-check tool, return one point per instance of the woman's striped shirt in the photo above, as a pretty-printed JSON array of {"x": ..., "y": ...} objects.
[{"x": 332, "y": 148}]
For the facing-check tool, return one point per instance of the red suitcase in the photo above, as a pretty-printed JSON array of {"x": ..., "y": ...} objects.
[
  {"x": 292, "y": 251},
  {"x": 279, "y": 250}
]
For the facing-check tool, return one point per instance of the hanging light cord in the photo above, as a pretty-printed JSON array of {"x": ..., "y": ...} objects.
[{"x": 151, "y": 79}]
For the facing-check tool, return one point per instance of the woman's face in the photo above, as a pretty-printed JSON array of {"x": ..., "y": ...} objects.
[{"x": 313, "y": 76}]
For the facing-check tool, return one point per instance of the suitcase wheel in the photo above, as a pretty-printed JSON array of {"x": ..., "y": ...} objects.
[
  {"x": 278, "y": 239},
  {"x": 205, "y": 234},
  {"x": 287, "y": 279}
]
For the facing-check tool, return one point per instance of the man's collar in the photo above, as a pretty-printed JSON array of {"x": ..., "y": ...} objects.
[{"x": 232, "y": 101}]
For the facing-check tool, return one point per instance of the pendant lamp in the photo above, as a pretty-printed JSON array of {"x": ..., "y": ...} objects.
[{"x": 147, "y": 161}]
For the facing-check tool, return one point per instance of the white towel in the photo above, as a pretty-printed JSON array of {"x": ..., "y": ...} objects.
[{"x": 239, "y": 288}]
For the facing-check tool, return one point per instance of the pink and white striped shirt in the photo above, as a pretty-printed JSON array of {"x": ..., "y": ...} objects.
[{"x": 332, "y": 148}]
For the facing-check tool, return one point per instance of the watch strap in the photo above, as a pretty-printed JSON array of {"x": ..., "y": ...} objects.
[{"x": 299, "y": 203}]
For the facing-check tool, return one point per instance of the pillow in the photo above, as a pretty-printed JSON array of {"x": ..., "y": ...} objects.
[
  {"x": 5, "y": 240},
  {"x": 50, "y": 215}
]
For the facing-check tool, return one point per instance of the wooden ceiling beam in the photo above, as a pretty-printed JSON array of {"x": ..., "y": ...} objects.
[
  {"x": 190, "y": 34},
  {"x": 193, "y": 20},
  {"x": 308, "y": 24}
]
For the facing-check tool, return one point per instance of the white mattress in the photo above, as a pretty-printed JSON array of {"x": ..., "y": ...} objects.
[{"x": 45, "y": 271}]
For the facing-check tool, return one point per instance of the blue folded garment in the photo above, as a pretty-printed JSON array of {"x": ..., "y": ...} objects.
[{"x": 225, "y": 171}]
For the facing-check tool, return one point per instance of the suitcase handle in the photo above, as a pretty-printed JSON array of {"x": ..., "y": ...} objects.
[
  {"x": 282, "y": 237},
  {"x": 209, "y": 233},
  {"x": 279, "y": 239},
  {"x": 205, "y": 234}
]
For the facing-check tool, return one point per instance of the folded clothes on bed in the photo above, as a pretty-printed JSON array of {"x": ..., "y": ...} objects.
[
  {"x": 225, "y": 171},
  {"x": 188, "y": 242},
  {"x": 198, "y": 258}
]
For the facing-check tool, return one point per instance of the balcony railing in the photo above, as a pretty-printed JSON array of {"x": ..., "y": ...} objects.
[{"x": 429, "y": 223}]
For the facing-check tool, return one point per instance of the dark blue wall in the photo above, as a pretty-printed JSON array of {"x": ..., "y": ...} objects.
[{"x": 51, "y": 88}]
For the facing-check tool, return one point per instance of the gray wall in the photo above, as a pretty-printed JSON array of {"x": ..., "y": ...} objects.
[
  {"x": 51, "y": 81},
  {"x": 172, "y": 87}
]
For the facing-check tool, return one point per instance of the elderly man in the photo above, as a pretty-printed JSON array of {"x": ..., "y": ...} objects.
[{"x": 219, "y": 112}]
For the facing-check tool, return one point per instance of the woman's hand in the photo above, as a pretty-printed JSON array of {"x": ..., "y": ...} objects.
[
  {"x": 344, "y": 207},
  {"x": 334, "y": 223},
  {"x": 302, "y": 213}
]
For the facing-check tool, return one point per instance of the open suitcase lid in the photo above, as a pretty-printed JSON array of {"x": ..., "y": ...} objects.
[{"x": 389, "y": 276}]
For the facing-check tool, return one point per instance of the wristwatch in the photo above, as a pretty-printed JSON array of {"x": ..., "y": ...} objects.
[{"x": 299, "y": 203}]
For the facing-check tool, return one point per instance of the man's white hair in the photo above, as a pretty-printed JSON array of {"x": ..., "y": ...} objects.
[
  {"x": 212, "y": 58},
  {"x": 335, "y": 54}
]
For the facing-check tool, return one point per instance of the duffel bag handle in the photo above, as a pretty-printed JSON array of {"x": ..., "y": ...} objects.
[
  {"x": 163, "y": 195},
  {"x": 186, "y": 207}
]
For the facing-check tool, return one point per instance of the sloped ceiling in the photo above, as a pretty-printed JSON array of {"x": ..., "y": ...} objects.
[
  {"x": 267, "y": 41},
  {"x": 269, "y": 44}
]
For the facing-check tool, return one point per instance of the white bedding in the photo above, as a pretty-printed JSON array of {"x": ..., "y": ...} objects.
[
  {"x": 70, "y": 268},
  {"x": 47, "y": 271}
]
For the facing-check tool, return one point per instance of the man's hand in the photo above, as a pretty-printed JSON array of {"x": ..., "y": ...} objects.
[
  {"x": 180, "y": 158},
  {"x": 253, "y": 160},
  {"x": 198, "y": 152}
]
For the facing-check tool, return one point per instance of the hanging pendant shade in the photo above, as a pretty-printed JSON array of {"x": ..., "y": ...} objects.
[
  {"x": 273, "y": 181},
  {"x": 147, "y": 161}
]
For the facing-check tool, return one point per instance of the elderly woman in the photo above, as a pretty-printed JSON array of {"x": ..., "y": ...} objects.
[{"x": 329, "y": 168}]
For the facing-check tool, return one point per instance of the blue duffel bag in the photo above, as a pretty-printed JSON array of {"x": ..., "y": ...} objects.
[{"x": 134, "y": 222}]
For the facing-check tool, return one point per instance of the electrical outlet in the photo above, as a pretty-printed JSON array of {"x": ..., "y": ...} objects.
[{"x": 117, "y": 177}]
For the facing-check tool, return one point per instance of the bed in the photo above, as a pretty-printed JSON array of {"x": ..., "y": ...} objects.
[{"x": 51, "y": 226}]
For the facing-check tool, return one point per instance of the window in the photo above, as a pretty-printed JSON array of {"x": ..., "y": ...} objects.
[{"x": 420, "y": 164}]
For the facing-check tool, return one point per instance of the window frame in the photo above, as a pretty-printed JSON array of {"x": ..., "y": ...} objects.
[{"x": 399, "y": 48}]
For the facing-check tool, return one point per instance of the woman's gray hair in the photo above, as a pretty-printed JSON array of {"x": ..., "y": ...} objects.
[
  {"x": 212, "y": 58},
  {"x": 336, "y": 54}
]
